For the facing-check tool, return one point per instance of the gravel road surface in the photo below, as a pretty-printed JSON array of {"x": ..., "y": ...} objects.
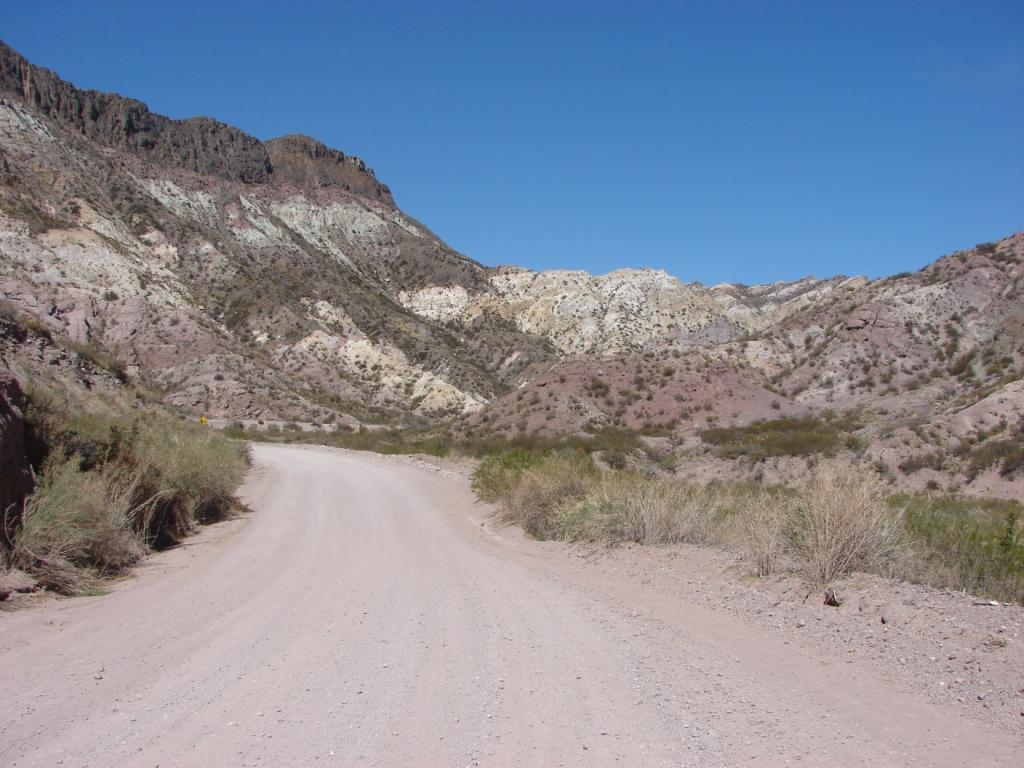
[{"x": 367, "y": 613}]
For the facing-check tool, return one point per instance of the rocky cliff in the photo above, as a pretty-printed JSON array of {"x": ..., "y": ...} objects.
[{"x": 199, "y": 145}]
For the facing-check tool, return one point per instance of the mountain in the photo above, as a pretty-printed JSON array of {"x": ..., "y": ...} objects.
[
  {"x": 275, "y": 281},
  {"x": 240, "y": 278}
]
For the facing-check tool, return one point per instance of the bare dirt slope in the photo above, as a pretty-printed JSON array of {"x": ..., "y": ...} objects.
[{"x": 365, "y": 614}]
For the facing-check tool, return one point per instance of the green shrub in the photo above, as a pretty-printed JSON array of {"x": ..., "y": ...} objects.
[
  {"x": 1006, "y": 454},
  {"x": 497, "y": 475},
  {"x": 781, "y": 437},
  {"x": 961, "y": 543}
]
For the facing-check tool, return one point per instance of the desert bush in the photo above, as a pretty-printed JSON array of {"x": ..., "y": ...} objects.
[
  {"x": 112, "y": 483},
  {"x": 761, "y": 517},
  {"x": 841, "y": 522},
  {"x": 597, "y": 387},
  {"x": 78, "y": 520},
  {"x": 962, "y": 363},
  {"x": 1007, "y": 454},
  {"x": 52, "y": 423},
  {"x": 99, "y": 357},
  {"x": 629, "y": 507},
  {"x": 497, "y": 475},
  {"x": 960, "y": 543},
  {"x": 933, "y": 460},
  {"x": 781, "y": 437},
  {"x": 192, "y": 472},
  {"x": 537, "y": 500}
]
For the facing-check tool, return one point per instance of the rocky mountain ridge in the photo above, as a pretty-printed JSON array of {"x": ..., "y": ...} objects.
[{"x": 200, "y": 145}]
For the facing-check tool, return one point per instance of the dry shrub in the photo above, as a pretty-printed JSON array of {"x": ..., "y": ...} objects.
[
  {"x": 841, "y": 522},
  {"x": 761, "y": 517},
  {"x": 187, "y": 474},
  {"x": 537, "y": 500},
  {"x": 628, "y": 507},
  {"x": 113, "y": 484},
  {"x": 78, "y": 520}
]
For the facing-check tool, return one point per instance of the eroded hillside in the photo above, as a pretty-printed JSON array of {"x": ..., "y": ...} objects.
[{"x": 279, "y": 281}]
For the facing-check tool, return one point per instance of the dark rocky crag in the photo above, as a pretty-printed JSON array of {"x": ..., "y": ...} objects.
[
  {"x": 16, "y": 478},
  {"x": 307, "y": 163},
  {"x": 200, "y": 144}
]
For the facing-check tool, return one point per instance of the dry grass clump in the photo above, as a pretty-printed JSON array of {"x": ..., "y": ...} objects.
[
  {"x": 78, "y": 524},
  {"x": 190, "y": 472},
  {"x": 563, "y": 496},
  {"x": 537, "y": 501},
  {"x": 841, "y": 521},
  {"x": 761, "y": 517},
  {"x": 113, "y": 484},
  {"x": 496, "y": 476},
  {"x": 630, "y": 507}
]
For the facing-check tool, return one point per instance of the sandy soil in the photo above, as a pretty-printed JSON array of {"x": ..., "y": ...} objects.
[{"x": 368, "y": 612}]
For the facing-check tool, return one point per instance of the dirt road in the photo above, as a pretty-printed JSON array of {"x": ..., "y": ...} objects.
[{"x": 364, "y": 615}]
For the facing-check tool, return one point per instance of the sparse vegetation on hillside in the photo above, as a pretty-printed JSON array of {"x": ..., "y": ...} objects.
[
  {"x": 1006, "y": 455},
  {"x": 782, "y": 437},
  {"x": 99, "y": 357}
]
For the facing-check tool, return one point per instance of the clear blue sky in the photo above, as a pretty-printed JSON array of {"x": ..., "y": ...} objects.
[{"x": 739, "y": 141}]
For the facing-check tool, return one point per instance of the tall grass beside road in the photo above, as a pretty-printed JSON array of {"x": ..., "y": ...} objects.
[
  {"x": 843, "y": 519},
  {"x": 114, "y": 483}
]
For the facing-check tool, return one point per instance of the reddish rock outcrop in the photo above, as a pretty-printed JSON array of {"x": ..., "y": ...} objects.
[{"x": 16, "y": 477}]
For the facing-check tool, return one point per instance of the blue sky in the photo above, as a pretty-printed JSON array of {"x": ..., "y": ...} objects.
[{"x": 739, "y": 141}]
